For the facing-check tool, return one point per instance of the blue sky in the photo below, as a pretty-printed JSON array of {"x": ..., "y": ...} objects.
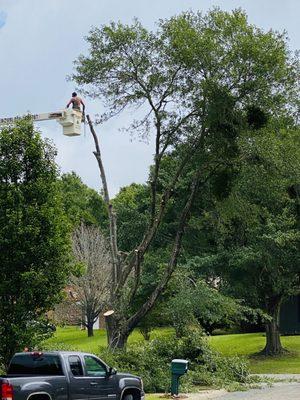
[
  {"x": 39, "y": 40},
  {"x": 2, "y": 19}
]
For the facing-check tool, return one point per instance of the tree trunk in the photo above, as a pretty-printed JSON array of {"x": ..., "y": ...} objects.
[
  {"x": 90, "y": 328},
  {"x": 117, "y": 335},
  {"x": 117, "y": 339},
  {"x": 273, "y": 342},
  {"x": 89, "y": 321}
]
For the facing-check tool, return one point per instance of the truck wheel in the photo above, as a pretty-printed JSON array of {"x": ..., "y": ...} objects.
[{"x": 128, "y": 397}]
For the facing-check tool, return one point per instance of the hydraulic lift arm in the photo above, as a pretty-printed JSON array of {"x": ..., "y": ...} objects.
[{"x": 69, "y": 119}]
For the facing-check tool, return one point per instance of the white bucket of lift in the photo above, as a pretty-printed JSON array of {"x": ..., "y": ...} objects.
[{"x": 71, "y": 122}]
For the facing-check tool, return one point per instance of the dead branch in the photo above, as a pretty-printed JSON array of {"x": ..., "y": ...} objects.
[{"x": 111, "y": 214}]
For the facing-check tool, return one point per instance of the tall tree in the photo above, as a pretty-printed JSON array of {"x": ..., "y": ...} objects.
[
  {"x": 34, "y": 239},
  {"x": 256, "y": 228},
  {"x": 193, "y": 79}
]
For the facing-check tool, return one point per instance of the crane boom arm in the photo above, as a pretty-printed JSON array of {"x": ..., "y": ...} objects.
[
  {"x": 69, "y": 119},
  {"x": 34, "y": 117},
  {"x": 46, "y": 116}
]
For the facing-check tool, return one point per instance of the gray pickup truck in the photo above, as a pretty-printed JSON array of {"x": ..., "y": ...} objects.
[{"x": 65, "y": 375}]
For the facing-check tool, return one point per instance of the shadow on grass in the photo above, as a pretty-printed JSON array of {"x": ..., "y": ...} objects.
[{"x": 262, "y": 355}]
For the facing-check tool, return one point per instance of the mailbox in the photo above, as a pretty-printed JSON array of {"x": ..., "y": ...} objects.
[{"x": 178, "y": 368}]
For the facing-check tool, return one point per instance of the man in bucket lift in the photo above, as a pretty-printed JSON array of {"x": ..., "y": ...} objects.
[{"x": 76, "y": 102}]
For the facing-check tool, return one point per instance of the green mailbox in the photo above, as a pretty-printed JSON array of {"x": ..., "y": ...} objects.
[{"x": 178, "y": 368}]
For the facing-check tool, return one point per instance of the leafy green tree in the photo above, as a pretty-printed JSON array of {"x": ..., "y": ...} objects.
[
  {"x": 194, "y": 78},
  {"x": 132, "y": 207},
  {"x": 34, "y": 237},
  {"x": 81, "y": 203},
  {"x": 256, "y": 228},
  {"x": 200, "y": 303}
]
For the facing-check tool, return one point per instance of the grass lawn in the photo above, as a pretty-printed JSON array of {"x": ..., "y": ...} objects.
[
  {"x": 229, "y": 345},
  {"x": 76, "y": 339},
  {"x": 153, "y": 396},
  {"x": 250, "y": 343}
]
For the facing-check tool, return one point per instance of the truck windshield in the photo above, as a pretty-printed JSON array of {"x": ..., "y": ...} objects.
[{"x": 27, "y": 364}]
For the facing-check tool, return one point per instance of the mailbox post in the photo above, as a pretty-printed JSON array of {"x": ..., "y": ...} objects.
[{"x": 178, "y": 368}]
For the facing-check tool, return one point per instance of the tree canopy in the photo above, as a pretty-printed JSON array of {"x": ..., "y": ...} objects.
[
  {"x": 255, "y": 230},
  {"x": 200, "y": 82},
  {"x": 81, "y": 203},
  {"x": 34, "y": 238}
]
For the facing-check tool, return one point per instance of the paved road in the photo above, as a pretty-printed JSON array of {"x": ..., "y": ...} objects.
[
  {"x": 287, "y": 389},
  {"x": 279, "y": 391},
  {"x": 284, "y": 390}
]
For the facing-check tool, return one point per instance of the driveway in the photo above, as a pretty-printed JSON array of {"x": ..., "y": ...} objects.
[
  {"x": 287, "y": 389},
  {"x": 278, "y": 391}
]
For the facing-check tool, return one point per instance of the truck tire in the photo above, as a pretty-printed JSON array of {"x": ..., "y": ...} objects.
[{"x": 128, "y": 396}]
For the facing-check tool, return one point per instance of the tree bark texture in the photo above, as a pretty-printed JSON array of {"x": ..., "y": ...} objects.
[
  {"x": 273, "y": 341},
  {"x": 117, "y": 335},
  {"x": 90, "y": 329}
]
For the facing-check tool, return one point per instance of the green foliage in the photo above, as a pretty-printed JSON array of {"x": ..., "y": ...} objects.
[
  {"x": 256, "y": 118},
  {"x": 195, "y": 302},
  {"x": 241, "y": 345},
  {"x": 191, "y": 77},
  {"x": 152, "y": 361},
  {"x": 34, "y": 238},
  {"x": 197, "y": 79},
  {"x": 260, "y": 222},
  {"x": 255, "y": 230},
  {"x": 131, "y": 205},
  {"x": 80, "y": 203},
  {"x": 210, "y": 49},
  {"x": 224, "y": 42},
  {"x": 199, "y": 303}
]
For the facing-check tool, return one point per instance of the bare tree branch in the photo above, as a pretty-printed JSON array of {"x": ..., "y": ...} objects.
[
  {"x": 151, "y": 231},
  {"x": 111, "y": 213},
  {"x": 174, "y": 256}
]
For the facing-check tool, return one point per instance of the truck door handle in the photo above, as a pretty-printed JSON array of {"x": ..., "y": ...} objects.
[{"x": 93, "y": 383}]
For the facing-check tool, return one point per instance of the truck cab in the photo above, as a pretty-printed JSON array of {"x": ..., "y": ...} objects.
[{"x": 67, "y": 376}]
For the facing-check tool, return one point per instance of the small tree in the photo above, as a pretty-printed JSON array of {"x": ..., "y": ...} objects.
[
  {"x": 91, "y": 289},
  {"x": 34, "y": 239}
]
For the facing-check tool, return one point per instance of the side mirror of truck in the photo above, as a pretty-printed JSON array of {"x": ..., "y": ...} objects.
[{"x": 112, "y": 371}]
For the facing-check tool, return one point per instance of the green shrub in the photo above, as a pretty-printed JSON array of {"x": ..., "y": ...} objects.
[
  {"x": 138, "y": 359},
  {"x": 152, "y": 361}
]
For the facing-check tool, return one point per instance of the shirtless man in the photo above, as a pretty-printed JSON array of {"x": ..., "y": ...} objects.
[{"x": 76, "y": 102}]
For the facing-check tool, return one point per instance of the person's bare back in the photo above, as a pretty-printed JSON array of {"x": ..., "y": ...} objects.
[{"x": 76, "y": 102}]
